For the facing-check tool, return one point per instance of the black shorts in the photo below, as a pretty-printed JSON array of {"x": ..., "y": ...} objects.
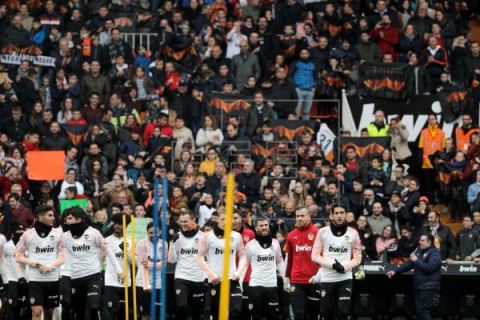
[
  {"x": 336, "y": 295},
  {"x": 263, "y": 302},
  {"x": 16, "y": 294},
  {"x": 144, "y": 301},
  {"x": 114, "y": 298},
  {"x": 45, "y": 294},
  {"x": 86, "y": 291}
]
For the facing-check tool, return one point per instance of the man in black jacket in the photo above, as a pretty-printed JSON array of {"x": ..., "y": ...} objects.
[
  {"x": 427, "y": 262},
  {"x": 284, "y": 94},
  {"x": 249, "y": 181},
  {"x": 56, "y": 140},
  {"x": 16, "y": 127},
  {"x": 442, "y": 235}
]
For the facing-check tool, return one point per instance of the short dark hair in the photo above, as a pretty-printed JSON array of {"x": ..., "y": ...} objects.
[
  {"x": 42, "y": 209},
  {"x": 76, "y": 212}
]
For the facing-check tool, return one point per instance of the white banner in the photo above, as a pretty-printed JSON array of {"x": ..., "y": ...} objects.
[
  {"x": 36, "y": 60},
  {"x": 325, "y": 138}
]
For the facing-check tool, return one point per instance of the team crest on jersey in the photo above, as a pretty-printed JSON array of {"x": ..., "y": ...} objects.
[
  {"x": 61, "y": 297},
  {"x": 292, "y": 288},
  {"x": 311, "y": 236},
  {"x": 86, "y": 237},
  {"x": 213, "y": 292},
  {"x": 141, "y": 308},
  {"x": 178, "y": 291},
  {"x": 323, "y": 293},
  {"x": 246, "y": 238},
  {"x": 32, "y": 300},
  {"x": 52, "y": 238},
  {"x": 250, "y": 306},
  {"x": 10, "y": 301},
  {"x": 347, "y": 238},
  {"x": 470, "y": 236},
  {"x": 73, "y": 290},
  {"x": 196, "y": 240}
]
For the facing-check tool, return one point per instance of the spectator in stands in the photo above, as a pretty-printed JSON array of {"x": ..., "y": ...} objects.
[
  {"x": 18, "y": 212},
  {"x": 434, "y": 59},
  {"x": 379, "y": 127},
  {"x": 70, "y": 181},
  {"x": 386, "y": 36},
  {"x": 432, "y": 139},
  {"x": 386, "y": 244},
  {"x": 421, "y": 21},
  {"x": 443, "y": 237},
  {"x": 419, "y": 82},
  {"x": 476, "y": 220},
  {"x": 249, "y": 181},
  {"x": 244, "y": 64},
  {"x": 399, "y": 142},
  {"x": 95, "y": 82},
  {"x": 467, "y": 240},
  {"x": 378, "y": 221},
  {"x": 304, "y": 74},
  {"x": 366, "y": 50}
]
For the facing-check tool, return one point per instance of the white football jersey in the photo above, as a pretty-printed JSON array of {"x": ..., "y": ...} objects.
[
  {"x": 11, "y": 273},
  {"x": 144, "y": 250},
  {"x": 111, "y": 277},
  {"x": 84, "y": 252},
  {"x": 263, "y": 262},
  {"x": 42, "y": 250},
  {"x": 341, "y": 248},
  {"x": 184, "y": 252},
  {"x": 213, "y": 247}
]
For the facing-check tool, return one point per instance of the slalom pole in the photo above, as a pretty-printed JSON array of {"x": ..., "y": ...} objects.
[
  {"x": 163, "y": 291},
  {"x": 225, "y": 286},
  {"x": 134, "y": 270},
  {"x": 125, "y": 263},
  {"x": 153, "y": 298}
]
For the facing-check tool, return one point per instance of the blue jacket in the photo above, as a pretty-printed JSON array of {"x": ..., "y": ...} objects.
[
  {"x": 304, "y": 74},
  {"x": 142, "y": 61},
  {"x": 428, "y": 266}
]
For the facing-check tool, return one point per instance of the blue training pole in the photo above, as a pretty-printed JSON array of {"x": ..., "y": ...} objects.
[
  {"x": 153, "y": 298},
  {"x": 163, "y": 292}
]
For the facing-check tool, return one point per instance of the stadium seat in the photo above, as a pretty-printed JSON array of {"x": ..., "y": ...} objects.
[
  {"x": 438, "y": 307},
  {"x": 399, "y": 306},
  {"x": 364, "y": 305},
  {"x": 468, "y": 307}
]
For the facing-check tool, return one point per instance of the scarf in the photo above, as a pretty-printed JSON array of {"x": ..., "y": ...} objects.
[
  {"x": 218, "y": 232},
  {"x": 42, "y": 229},
  {"x": 190, "y": 233},
  {"x": 264, "y": 241},
  {"x": 77, "y": 229},
  {"x": 338, "y": 231}
]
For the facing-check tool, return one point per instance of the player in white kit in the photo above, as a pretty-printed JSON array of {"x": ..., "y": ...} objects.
[
  {"x": 212, "y": 247},
  {"x": 46, "y": 252},
  {"x": 14, "y": 278},
  {"x": 264, "y": 256},
  {"x": 114, "y": 293},
  {"x": 189, "y": 277},
  {"x": 85, "y": 250},
  {"x": 144, "y": 250},
  {"x": 338, "y": 249}
]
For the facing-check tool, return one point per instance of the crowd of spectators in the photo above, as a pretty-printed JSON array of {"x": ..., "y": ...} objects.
[{"x": 125, "y": 116}]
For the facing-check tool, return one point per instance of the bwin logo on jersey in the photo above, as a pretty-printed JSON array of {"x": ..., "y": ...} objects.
[
  {"x": 44, "y": 250},
  {"x": 337, "y": 249}
]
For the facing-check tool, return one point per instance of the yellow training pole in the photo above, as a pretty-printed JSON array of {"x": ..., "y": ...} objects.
[
  {"x": 125, "y": 264},
  {"x": 134, "y": 271},
  {"x": 225, "y": 286}
]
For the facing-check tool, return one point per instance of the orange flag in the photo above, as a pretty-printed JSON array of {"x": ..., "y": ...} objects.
[{"x": 46, "y": 165}]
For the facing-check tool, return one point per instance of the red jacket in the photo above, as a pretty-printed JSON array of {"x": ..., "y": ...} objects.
[
  {"x": 299, "y": 244},
  {"x": 247, "y": 235},
  {"x": 389, "y": 42}
]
